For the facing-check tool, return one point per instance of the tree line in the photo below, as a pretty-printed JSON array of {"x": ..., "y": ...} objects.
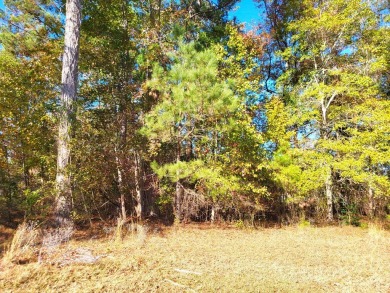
[{"x": 180, "y": 114}]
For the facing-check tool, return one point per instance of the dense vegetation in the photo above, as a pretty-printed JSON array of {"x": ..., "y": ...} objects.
[{"x": 183, "y": 114}]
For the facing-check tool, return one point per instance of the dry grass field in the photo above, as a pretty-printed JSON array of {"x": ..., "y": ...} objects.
[{"x": 207, "y": 259}]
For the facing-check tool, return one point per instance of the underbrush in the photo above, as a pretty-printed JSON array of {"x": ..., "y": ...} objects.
[{"x": 24, "y": 245}]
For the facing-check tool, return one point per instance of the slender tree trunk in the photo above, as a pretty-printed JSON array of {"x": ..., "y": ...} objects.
[
  {"x": 328, "y": 180},
  {"x": 178, "y": 202},
  {"x": 120, "y": 161},
  {"x": 138, "y": 184},
  {"x": 120, "y": 149},
  {"x": 69, "y": 79},
  {"x": 177, "y": 205},
  {"x": 122, "y": 201},
  {"x": 25, "y": 169},
  {"x": 329, "y": 196},
  {"x": 9, "y": 189},
  {"x": 212, "y": 216},
  {"x": 214, "y": 212},
  {"x": 370, "y": 202}
]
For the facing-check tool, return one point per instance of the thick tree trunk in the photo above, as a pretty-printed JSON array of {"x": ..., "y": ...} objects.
[
  {"x": 69, "y": 79},
  {"x": 329, "y": 197}
]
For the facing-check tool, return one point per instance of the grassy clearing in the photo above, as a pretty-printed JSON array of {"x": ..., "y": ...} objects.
[{"x": 207, "y": 259}]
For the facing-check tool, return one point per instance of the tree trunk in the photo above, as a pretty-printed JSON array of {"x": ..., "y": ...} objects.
[
  {"x": 69, "y": 79},
  {"x": 214, "y": 213},
  {"x": 328, "y": 180},
  {"x": 121, "y": 161},
  {"x": 177, "y": 205},
  {"x": 122, "y": 200},
  {"x": 212, "y": 216},
  {"x": 138, "y": 184},
  {"x": 370, "y": 202},
  {"x": 329, "y": 197},
  {"x": 178, "y": 202}
]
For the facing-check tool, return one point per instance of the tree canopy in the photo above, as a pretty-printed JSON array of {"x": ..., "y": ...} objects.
[{"x": 185, "y": 114}]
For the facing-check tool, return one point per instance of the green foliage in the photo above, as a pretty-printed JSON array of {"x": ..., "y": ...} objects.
[
  {"x": 29, "y": 69},
  {"x": 31, "y": 198},
  {"x": 251, "y": 122},
  {"x": 303, "y": 223},
  {"x": 336, "y": 121},
  {"x": 193, "y": 113},
  {"x": 350, "y": 215},
  {"x": 365, "y": 153},
  {"x": 239, "y": 224},
  {"x": 191, "y": 96},
  {"x": 210, "y": 180}
]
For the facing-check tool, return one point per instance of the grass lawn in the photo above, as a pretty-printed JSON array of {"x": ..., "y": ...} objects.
[{"x": 210, "y": 259}]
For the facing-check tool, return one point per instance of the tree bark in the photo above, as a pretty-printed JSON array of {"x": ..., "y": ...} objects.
[
  {"x": 138, "y": 184},
  {"x": 328, "y": 180},
  {"x": 62, "y": 208},
  {"x": 371, "y": 202},
  {"x": 122, "y": 200},
  {"x": 214, "y": 213},
  {"x": 120, "y": 160},
  {"x": 329, "y": 197},
  {"x": 212, "y": 216},
  {"x": 177, "y": 204}
]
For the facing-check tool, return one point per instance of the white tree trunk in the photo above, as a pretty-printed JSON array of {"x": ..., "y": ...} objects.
[
  {"x": 213, "y": 214},
  {"x": 68, "y": 95}
]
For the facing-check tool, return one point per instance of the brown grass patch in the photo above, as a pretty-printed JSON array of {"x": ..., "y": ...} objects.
[
  {"x": 24, "y": 245},
  {"x": 5, "y": 237},
  {"x": 331, "y": 259}
]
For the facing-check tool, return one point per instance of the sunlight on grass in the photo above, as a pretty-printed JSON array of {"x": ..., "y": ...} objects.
[{"x": 206, "y": 259}]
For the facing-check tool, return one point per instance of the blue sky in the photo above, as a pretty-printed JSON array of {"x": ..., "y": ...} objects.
[{"x": 245, "y": 11}]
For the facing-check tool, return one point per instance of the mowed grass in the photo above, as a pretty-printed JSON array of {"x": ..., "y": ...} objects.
[{"x": 207, "y": 259}]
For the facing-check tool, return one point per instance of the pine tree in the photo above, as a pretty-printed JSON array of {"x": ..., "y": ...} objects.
[
  {"x": 68, "y": 96},
  {"x": 193, "y": 116}
]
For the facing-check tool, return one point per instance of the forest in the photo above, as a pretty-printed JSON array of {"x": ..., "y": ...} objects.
[{"x": 173, "y": 111}]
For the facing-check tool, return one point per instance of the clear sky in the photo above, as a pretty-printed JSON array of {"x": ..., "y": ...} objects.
[{"x": 245, "y": 11}]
